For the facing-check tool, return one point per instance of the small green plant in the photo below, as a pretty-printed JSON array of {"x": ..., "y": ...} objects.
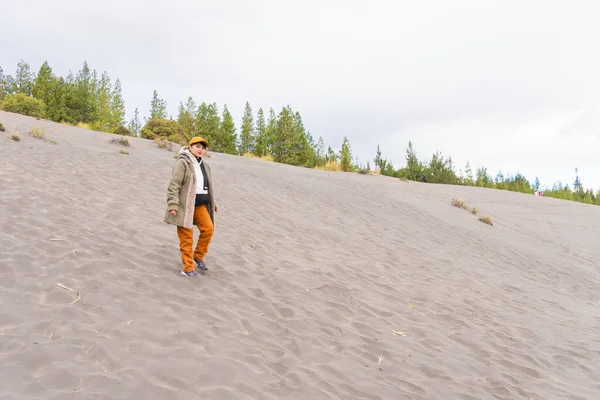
[
  {"x": 486, "y": 220},
  {"x": 121, "y": 140},
  {"x": 53, "y": 142},
  {"x": 16, "y": 137},
  {"x": 124, "y": 152},
  {"x": 2, "y": 128},
  {"x": 474, "y": 211},
  {"x": 37, "y": 133}
]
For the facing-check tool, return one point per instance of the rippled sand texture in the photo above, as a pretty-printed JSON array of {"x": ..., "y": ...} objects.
[{"x": 322, "y": 285}]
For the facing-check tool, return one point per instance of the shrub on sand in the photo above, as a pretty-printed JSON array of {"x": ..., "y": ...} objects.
[
  {"x": 121, "y": 140},
  {"x": 22, "y": 104},
  {"x": 16, "y": 137},
  {"x": 2, "y": 128},
  {"x": 37, "y": 133},
  {"x": 121, "y": 130},
  {"x": 124, "y": 152},
  {"x": 163, "y": 144},
  {"x": 460, "y": 204},
  {"x": 486, "y": 220}
]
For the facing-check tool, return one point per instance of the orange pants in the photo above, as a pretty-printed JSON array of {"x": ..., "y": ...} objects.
[{"x": 186, "y": 238}]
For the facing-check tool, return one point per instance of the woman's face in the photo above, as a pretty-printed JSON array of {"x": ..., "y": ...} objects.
[{"x": 197, "y": 149}]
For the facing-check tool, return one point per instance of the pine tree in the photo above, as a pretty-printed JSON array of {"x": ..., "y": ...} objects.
[
  {"x": 24, "y": 78},
  {"x": 227, "y": 142},
  {"x": 95, "y": 97},
  {"x": 260, "y": 148},
  {"x": 213, "y": 125},
  {"x": 270, "y": 132},
  {"x": 3, "y": 88},
  {"x": 247, "y": 139},
  {"x": 283, "y": 138},
  {"x": 320, "y": 156},
  {"x": 346, "y": 156},
  {"x": 301, "y": 143},
  {"x": 135, "y": 124},
  {"x": 84, "y": 95},
  {"x": 468, "y": 179},
  {"x": 117, "y": 109},
  {"x": 104, "y": 120},
  {"x": 201, "y": 121},
  {"x": 42, "y": 87},
  {"x": 56, "y": 109},
  {"x": 187, "y": 117},
  {"x": 414, "y": 168},
  {"x": 378, "y": 159},
  {"x": 69, "y": 93},
  {"x": 158, "y": 107}
]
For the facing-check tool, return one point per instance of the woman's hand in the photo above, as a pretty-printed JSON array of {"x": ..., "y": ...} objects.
[{"x": 173, "y": 212}]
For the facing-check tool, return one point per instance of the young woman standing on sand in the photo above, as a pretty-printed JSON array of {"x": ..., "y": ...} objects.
[{"x": 191, "y": 201}]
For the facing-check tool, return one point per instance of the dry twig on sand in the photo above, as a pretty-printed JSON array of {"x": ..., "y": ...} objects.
[
  {"x": 380, "y": 358},
  {"x": 54, "y": 239},
  {"x": 319, "y": 287},
  {"x": 77, "y": 297},
  {"x": 398, "y": 333}
]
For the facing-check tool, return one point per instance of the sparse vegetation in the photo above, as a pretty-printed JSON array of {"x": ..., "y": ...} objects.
[
  {"x": 120, "y": 140},
  {"x": 460, "y": 204},
  {"x": 37, "y": 133},
  {"x": 266, "y": 157},
  {"x": 124, "y": 152},
  {"x": 84, "y": 125},
  {"x": 53, "y": 142},
  {"x": 486, "y": 220},
  {"x": 16, "y": 137},
  {"x": 330, "y": 166},
  {"x": 2, "y": 128},
  {"x": 163, "y": 144}
]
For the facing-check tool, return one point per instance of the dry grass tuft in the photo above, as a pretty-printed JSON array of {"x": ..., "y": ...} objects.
[
  {"x": 2, "y": 128},
  {"x": 268, "y": 157},
  {"x": 37, "y": 133},
  {"x": 121, "y": 140},
  {"x": 84, "y": 125},
  {"x": 460, "y": 204},
  {"x": 486, "y": 220},
  {"x": 124, "y": 152},
  {"x": 163, "y": 144},
  {"x": 16, "y": 137},
  {"x": 330, "y": 166}
]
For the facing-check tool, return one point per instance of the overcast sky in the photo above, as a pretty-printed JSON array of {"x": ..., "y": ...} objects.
[{"x": 512, "y": 85}]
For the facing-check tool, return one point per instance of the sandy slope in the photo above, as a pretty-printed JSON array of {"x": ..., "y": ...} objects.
[{"x": 311, "y": 272}]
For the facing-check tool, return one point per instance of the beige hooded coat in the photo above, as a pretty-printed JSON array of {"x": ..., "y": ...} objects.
[{"x": 181, "y": 193}]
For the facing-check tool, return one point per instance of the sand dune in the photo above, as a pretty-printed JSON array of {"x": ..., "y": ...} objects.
[{"x": 322, "y": 285}]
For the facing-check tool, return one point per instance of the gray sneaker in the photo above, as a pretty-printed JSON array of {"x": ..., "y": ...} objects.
[
  {"x": 200, "y": 265},
  {"x": 191, "y": 273}
]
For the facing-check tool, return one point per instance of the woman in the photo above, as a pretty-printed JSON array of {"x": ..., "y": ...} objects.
[{"x": 191, "y": 201}]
